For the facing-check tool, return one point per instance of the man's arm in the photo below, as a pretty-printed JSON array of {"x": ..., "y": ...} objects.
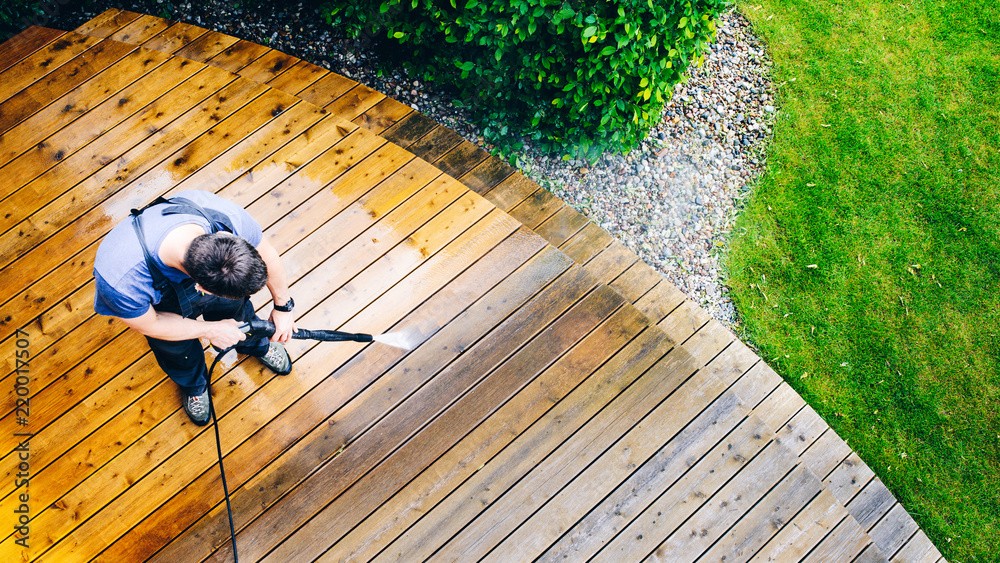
[
  {"x": 173, "y": 327},
  {"x": 277, "y": 284}
]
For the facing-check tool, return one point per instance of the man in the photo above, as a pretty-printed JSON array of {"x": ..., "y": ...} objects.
[{"x": 194, "y": 254}]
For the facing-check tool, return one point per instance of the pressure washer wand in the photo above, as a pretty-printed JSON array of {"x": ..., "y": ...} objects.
[{"x": 260, "y": 327}]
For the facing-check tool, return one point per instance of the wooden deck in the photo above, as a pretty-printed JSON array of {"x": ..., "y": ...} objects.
[{"x": 564, "y": 402}]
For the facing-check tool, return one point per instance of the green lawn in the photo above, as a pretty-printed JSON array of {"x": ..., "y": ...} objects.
[{"x": 866, "y": 265}]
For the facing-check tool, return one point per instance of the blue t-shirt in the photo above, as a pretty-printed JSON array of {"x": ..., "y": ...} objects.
[{"x": 124, "y": 284}]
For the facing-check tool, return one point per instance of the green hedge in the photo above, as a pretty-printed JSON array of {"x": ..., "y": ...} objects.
[
  {"x": 574, "y": 77},
  {"x": 15, "y": 15}
]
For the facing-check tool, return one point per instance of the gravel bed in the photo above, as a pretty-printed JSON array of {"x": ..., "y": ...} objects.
[{"x": 673, "y": 200}]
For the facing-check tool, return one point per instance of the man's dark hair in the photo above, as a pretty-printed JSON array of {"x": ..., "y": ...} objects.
[{"x": 225, "y": 265}]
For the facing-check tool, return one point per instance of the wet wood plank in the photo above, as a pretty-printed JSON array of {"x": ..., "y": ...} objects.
[
  {"x": 382, "y": 115},
  {"x": 83, "y": 102},
  {"x": 462, "y": 159},
  {"x": 26, "y": 43},
  {"x": 107, "y": 22},
  {"x": 139, "y": 502},
  {"x": 175, "y": 37},
  {"x": 42, "y": 62},
  {"x": 291, "y": 462},
  {"x": 206, "y": 46},
  {"x": 102, "y": 182},
  {"x": 140, "y": 30}
]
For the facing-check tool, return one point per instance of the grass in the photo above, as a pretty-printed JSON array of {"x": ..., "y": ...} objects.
[{"x": 866, "y": 265}]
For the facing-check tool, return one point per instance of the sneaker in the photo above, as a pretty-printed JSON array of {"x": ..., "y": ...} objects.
[
  {"x": 196, "y": 407},
  {"x": 276, "y": 359}
]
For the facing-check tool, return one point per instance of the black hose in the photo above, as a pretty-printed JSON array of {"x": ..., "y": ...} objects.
[
  {"x": 254, "y": 328},
  {"x": 218, "y": 446}
]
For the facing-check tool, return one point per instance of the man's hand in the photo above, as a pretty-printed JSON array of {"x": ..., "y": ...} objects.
[
  {"x": 224, "y": 333},
  {"x": 173, "y": 327},
  {"x": 284, "y": 326}
]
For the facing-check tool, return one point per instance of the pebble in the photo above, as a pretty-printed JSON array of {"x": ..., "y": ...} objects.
[{"x": 673, "y": 200}]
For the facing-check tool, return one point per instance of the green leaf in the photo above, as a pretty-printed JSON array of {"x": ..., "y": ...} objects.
[
  {"x": 683, "y": 23},
  {"x": 590, "y": 31},
  {"x": 398, "y": 35},
  {"x": 471, "y": 4}
]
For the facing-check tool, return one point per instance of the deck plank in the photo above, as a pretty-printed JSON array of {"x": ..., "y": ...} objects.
[
  {"x": 757, "y": 526},
  {"x": 74, "y": 72},
  {"x": 184, "y": 147},
  {"x": 487, "y": 176},
  {"x": 41, "y": 63},
  {"x": 107, "y": 22},
  {"x": 844, "y": 543},
  {"x": 382, "y": 115},
  {"x": 614, "y": 471},
  {"x": 462, "y": 159},
  {"x": 173, "y": 38},
  {"x": 104, "y": 185},
  {"x": 919, "y": 548},
  {"x": 77, "y": 390},
  {"x": 81, "y": 103},
  {"x": 804, "y": 531},
  {"x": 298, "y": 77},
  {"x": 473, "y": 363},
  {"x": 893, "y": 531},
  {"x": 26, "y": 43},
  {"x": 723, "y": 509},
  {"x": 872, "y": 503},
  {"x": 207, "y": 46},
  {"x": 140, "y": 30},
  {"x": 634, "y": 540},
  {"x": 826, "y": 453}
]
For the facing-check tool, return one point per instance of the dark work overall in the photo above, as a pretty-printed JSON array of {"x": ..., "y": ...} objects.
[{"x": 184, "y": 361}]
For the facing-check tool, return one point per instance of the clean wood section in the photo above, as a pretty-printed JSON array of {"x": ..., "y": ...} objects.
[{"x": 561, "y": 401}]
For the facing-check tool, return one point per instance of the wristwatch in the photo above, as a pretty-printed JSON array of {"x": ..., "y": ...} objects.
[{"x": 287, "y": 307}]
